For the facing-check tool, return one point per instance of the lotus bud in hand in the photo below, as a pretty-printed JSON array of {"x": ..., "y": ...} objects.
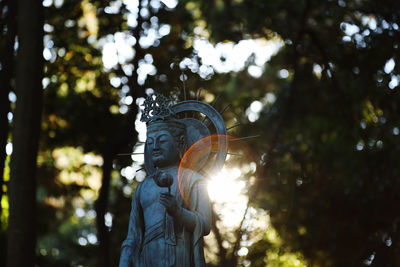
[{"x": 163, "y": 179}]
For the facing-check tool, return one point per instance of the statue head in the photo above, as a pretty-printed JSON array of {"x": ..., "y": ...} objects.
[
  {"x": 166, "y": 135},
  {"x": 166, "y": 142}
]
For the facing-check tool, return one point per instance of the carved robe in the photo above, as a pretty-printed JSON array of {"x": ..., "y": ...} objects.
[{"x": 169, "y": 243}]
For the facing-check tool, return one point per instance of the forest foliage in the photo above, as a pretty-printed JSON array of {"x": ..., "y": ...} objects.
[{"x": 321, "y": 181}]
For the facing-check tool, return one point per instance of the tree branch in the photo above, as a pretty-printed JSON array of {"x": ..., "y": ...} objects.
[
  {"x": 221, "y": 250},
  {"x": 239, "y": 234}
]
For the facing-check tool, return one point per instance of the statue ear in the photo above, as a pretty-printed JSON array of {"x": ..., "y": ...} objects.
[{"x": 182, "y": 140}]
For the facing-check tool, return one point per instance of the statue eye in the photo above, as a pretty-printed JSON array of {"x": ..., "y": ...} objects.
[{"x": 163, "y": 139}]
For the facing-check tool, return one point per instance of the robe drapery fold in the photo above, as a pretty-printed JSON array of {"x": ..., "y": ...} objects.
[{"x": 183, "y": 248}]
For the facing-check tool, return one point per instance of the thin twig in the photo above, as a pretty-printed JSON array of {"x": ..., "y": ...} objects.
[
  {"x": 244, "y": 138},
  {"x": 198, "y": 94},
  {"x": 239, "y": 232},
  {"x": 216, "y": 99},
  {"x": 234, "y": 126},
  {"x": 129, "y": 154},
  {"x": 228, "y": 106}
]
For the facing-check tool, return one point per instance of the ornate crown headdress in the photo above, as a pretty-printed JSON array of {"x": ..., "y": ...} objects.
[{"x": 156, "y": 107}]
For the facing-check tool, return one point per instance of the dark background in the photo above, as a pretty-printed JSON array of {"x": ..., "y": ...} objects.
[{"x": 327, "y": 159}]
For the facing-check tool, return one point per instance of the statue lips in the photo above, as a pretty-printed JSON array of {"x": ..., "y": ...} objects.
[{"x": 156, "y": 153}]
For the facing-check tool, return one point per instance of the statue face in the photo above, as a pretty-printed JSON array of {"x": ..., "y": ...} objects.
[{"x": 162, "y": 148}]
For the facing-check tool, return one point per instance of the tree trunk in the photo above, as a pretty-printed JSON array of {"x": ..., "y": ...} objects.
[
  {"x": 101, "y": 207},
  {"x": 108, "y": 155},
  {"x": 22, "y": 188},
  {"x": 6, "y": 74},
  {"x": 114, "y": 147}
]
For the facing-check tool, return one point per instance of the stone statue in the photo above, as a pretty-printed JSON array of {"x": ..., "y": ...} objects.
[{"x": 170, "y": 209}]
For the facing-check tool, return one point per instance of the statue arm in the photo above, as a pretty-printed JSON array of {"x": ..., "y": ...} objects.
[
  {"x": 129, "y": 248},
  {"x": 126, "y": 255},
  {"x": 199, "y": 213}
]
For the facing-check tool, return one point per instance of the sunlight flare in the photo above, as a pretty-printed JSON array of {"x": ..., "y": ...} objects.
[{"x": 227, "y": 192}]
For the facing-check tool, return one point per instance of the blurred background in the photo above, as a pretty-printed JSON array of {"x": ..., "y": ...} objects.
[{"x": 318, "y": 81}]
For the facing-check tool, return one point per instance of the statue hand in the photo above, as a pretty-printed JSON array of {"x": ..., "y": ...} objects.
[{"x": 170, "y": 203}]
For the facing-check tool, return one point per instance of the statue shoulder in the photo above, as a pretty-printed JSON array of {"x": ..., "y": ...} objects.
[
  {"x": 189, "y": 177},
  {"x": 142, "y": 184},
  {"x": 190, "y": 174}
]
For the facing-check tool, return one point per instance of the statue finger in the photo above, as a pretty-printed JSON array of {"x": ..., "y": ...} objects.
[
  {"x": 163, "y": 202},
  {"x": 166, "y": 201},
  {"x": 167, "y": 195},
  {"x": 166, "y": 198}
]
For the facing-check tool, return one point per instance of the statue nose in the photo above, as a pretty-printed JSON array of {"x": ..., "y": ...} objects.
[{"x": 156, "y": 145}]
